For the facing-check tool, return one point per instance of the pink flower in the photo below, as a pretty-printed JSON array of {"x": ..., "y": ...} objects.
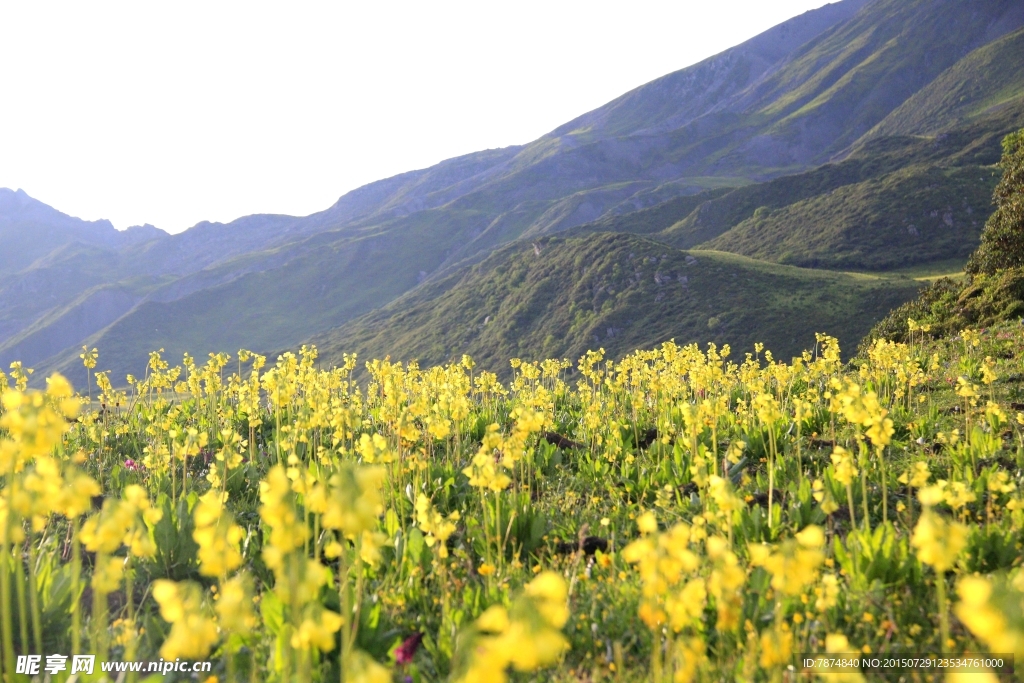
[
  {"x": 130, "y": 464},
  {"x": 406, "y": 651}
]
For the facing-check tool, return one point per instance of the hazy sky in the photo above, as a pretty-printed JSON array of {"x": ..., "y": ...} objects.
[{"x": 173, "y": 113}]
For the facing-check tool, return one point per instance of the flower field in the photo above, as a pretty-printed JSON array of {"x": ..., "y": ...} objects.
[{"x": 676, "y": 515}]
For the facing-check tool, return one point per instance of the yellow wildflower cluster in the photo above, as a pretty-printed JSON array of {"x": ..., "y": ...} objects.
[
  {"x": 34, "y": 421},
  {"x": 993, "y": 610},
  {"x": 938, "y": 541},
  {"x": 862, "y": 408},
  {"x": 434, "y": 525},
  {"x": 487, "y": 470},
  {"x": 671, "y": 595},
  {"x": 363, "y": 487},
  {"x": 217, "y": 535},
  {"x": 193, "y": 630},
  {"x": 795, "y": 563},
  {"x": 525, "y": 638}
]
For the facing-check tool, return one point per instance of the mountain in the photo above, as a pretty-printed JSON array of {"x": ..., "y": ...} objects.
[
  {"x": 49, "y": 259},
  {"x": 799, "y": 146},
  {"x": 986, "y": 81},
  {"x": 31, "y": 230},
  {"x": 558, "y": 297},
  {"x": 893, "y": 202}
]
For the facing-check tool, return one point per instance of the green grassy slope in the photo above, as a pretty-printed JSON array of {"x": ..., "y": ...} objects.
[
  {"x": 332, "y": 278},
  {"x": 915, "y": 215},
  {"x": 685, "y": 95},
  {"x": 989, "y": 78},
  {"x": 848, "y": 79},
  {"x": 695, "y": 219},
  {"x": 872, "y": 211},
  {"x": 652, "y": 219},
  {"x": 64, "y": 326},
  {"x": 620, "y": 292}
]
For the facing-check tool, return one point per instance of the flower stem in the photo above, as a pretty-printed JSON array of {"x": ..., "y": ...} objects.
[
  {"x": 940, "y": 589},
  {"x": 33, "y": 598},
  {"x": 76, "y": 591}
]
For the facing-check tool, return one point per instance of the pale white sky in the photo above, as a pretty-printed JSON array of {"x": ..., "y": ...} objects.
[{"x": 173, "y": 113}]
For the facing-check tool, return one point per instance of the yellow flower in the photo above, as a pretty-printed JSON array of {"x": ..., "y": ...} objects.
[
  {"x": 361, "y": 668},
  {"x": 483, "y": 472},
  {"x": 550, "y": 594},
  {"x": 75, "y": 498},
  {"x": 776, "y": 647},
  {"x": 1000, "y": 482},
  {"x": 965, "y": 389},
  {"x": 984, "y": 608},
  {"x": 370, "y": 545},
  {"x": 824, "y": 497},
  {"x": 917, "y": 476},
  {"x": 938, "y": 542},
  {"x": 767, "y": 408},
  {"x": 35, "y": 421},
  {"x": 842, "y": 463},
  {"x": 827, "y": 592},
  {"x": 434, "y": 525},
  {"x": 687, "y": 606},
  {"x": 494, "y": 619},
  {"x": 811, "y": 537},
  {"x": 373, "y": 449},
  {"x": 994, "y": 414},
  {"x": 525, "y": 638},
  {"x": 89, "y": 357},
  {"x": 287, "y": 532},
  {"x": 234, "y": 605},
  {"x": 958, "y": 495},
  {"x": 217, "y": 536},
  {"x": 107, "y": 574},
  {"x": 317, "y": 630},
  {"x": 836, "y": 643},
  {"x": 193, "y": 632},
  {"x": 105, "y": 531},
  {"x": 647, "y": 523},
  {"x": 932, "y": 495},
  {"x": 354, "y": 503},
  {"x": 689, "y": 655}
]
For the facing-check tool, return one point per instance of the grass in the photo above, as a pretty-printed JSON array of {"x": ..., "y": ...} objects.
[
  {"x": 652, "y": 219},
  {"x": 926, "y": 272}
]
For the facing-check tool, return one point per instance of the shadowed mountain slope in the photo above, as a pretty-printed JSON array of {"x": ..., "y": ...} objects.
[{"x": 560, "y": 296}]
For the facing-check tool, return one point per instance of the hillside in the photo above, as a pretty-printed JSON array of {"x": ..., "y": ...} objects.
[
  {"x": 31, "y": 230},
  {"x": 559, "y": 297},
  {"x": 916, "y": 215},
  {"x": 987, "y": 80},
  {"x": 781, "y": 121},
  {"x": 992, "y": 289}
]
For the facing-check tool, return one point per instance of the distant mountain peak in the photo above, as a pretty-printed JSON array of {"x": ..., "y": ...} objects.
[{"x": 18, "y": 205}]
